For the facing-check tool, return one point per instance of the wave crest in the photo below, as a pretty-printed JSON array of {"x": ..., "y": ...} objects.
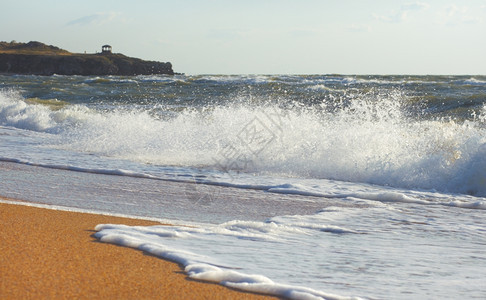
[{"x": 369, "y": 138}]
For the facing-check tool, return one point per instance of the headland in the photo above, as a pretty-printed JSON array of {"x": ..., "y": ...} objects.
[{"x": 35, "y": 58}]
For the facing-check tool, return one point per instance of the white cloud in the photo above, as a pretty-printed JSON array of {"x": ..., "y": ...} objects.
[
  {"x": 454, "y": 15},
  {"x": 402, "y": 14},
  {"x": 97, "y": 19}
]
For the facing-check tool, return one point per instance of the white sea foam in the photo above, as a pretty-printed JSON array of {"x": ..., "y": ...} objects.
[
  {"x": 206, "y": 268},
  {"x": 326, "y": 255},
  {"x": 369, "y": 140}
]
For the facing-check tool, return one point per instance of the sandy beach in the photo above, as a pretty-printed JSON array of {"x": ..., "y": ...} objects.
[{"x": 51, "y": 254}]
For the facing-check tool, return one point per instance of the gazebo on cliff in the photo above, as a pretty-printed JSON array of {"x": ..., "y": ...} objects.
[{"x": 106, "y": 49}]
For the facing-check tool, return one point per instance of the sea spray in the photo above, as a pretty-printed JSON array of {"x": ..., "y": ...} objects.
[{"x": 368, "y": 134}]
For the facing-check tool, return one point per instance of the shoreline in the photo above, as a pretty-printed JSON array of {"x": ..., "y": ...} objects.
[{"x": 49, "y": 253}]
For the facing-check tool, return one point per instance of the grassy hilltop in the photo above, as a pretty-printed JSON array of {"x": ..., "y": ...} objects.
[{"x": 31, "y": 48}]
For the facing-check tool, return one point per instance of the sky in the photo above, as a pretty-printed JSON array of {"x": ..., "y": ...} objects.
[{"x": 446, "y": 37}]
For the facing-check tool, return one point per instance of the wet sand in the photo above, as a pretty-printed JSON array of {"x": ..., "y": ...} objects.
[{"x": 51, "y": 254}]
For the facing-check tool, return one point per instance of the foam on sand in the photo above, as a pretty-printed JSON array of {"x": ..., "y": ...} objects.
[
  {"x": 329, "y": 254},
  {"x": 202, "y": 267},
  {"x": 51, "y": 254}
]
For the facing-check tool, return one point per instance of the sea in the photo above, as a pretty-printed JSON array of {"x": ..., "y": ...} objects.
[{"x": 298, "y": 186}]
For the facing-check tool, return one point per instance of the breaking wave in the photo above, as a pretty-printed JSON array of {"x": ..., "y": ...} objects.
[{"x": 371, "y": 138}]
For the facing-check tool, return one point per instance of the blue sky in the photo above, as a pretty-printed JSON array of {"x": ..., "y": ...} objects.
[{"x": 266, "y": 36}]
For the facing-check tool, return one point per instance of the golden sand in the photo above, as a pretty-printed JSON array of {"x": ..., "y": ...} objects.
[{"x": 50, "y": 254}]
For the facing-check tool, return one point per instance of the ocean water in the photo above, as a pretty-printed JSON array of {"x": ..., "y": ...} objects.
[{"x": 306, "y": 187}]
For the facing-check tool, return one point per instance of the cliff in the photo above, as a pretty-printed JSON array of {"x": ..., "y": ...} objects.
[{"x": 36, "y": 58}]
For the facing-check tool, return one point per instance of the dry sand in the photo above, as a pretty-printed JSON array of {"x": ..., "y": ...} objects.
[{"x": 50, "y": 254}]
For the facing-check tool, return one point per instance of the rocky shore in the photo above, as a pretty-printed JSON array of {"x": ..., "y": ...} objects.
[{"x": 35, "y": 58}]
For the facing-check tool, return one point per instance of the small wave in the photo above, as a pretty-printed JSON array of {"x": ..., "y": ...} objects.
[
  {"x": 109, "y": 79},
  {"x": 162, "y": 79},
  {"x": 474, "y": 81},
  {"x": 117, "y": 172},
  {"x": 228, "y": 79},
  {"x": 321, "y": 87},
  {"x": 53, "y": 104}
]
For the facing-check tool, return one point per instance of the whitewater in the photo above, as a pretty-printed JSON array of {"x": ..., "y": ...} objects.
[{"x": 306, "y": 187}]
